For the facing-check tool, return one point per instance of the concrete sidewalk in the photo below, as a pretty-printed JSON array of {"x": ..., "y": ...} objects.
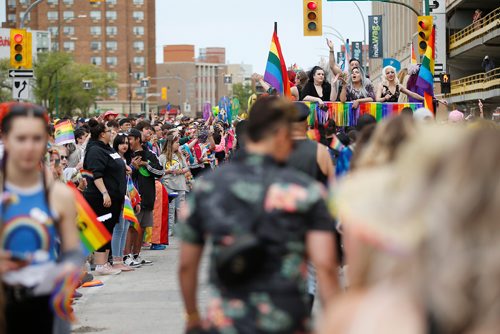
[{"x": 146, "y": 300}]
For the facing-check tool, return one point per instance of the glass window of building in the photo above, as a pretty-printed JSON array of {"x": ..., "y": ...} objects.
[
  {"x": 69, "y": 30},
  {"x": 11, "y": 3},
  {"x": 54, "y": 31},
  {"x": 11, "y": 17},
  {"x": 111, "y": 2},
  {"x": 69, "y": 46},
  {"x": 68, "y": 14},
  {"x": 138, "y": 15},
  {"x": 112, "y": 45},
  {"x": 139, "y": 61},
  {"x": 95, "y": 15},
  {"x": 96, "y": 61},
  {"x": 95, "y": 45},
  {"x": 112, "y": 75},
  {"x": 138, "y": 2},
  {"x": 112, "y": 61},
  {"x": 139, "y": 75},
  {"x": 55, "y": 46},
  {"x": 139, "y": 45},
  {"x": 138, "y": 30},
  {"x": 23, "y": 2},
  {"x": 111, "y": 30},
  {"x": 50, "y": 2},
  {"x": 111, "y": 15},
  {"x": 112, "y": 91},
  {"x": 95, "y": 30},
  {"x": 52, "y": 15},
  {"x": 68, "y": 2}
]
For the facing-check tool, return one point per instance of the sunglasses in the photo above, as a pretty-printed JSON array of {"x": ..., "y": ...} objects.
[{"x": 63, "y": 157}]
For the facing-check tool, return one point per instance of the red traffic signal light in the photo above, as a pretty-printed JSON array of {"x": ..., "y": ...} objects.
[
  {"x": 313, "y": 25},
  {"x": 18, "y": 38}
]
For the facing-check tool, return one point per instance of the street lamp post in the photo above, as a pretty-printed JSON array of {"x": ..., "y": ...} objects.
[
  {"x": 27, "y": 12},
  {"x": 364, "y": 33}
]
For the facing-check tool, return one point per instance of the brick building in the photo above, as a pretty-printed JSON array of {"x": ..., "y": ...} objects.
[{"x": 117, "y": 35}]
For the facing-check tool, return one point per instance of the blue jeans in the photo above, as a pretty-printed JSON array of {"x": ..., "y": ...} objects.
[{"x": 119, "y": 237}]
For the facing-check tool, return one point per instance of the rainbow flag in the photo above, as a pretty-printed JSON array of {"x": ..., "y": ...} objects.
[
  {"x": 135, "y": 197},
  {"x": 63, "y": 133},
  {"x": 62, "y": 295},
  {"x": 425, "y": 78},
  {"x": 129, "y": 215},
  {"x": 336, "y": 144},
  {"x": 93, "y": 234},
  {"x": 276, "y": 74}
]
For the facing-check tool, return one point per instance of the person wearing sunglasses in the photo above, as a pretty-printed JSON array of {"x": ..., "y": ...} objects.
[{"x": 39, "y": 237}]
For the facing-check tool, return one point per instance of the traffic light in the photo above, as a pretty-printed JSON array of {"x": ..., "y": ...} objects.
[
  {"x": 164, "y": 93},
  {"x": 445, "y": 83},
  {"x": 313, "y": 20},
  {"x": 20, "y": 48},
  {"x": 425, "y": 24}
]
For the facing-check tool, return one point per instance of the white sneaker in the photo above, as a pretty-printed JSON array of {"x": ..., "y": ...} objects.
[
  {"x": 143, "y": 262},
  {"x": 129, "y": 260},
  {"x": 106, "y": 269}
]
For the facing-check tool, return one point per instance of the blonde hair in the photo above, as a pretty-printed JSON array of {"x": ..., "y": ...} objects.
[{"x": 384, "y": 76}]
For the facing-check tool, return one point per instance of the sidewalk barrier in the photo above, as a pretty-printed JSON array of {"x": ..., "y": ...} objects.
[{"x": 345, "y": 115}]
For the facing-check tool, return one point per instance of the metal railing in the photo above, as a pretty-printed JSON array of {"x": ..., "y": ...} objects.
[
  {"x": 476, "y": 83},
  {"x": 475, "y": 30}
]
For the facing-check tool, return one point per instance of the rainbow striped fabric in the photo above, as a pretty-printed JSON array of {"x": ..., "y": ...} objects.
[
  {"x": 336, "y": 144},
  {"x": 276, "y": 74},
  {"x": 93, "y": 234},
  {"x": 129, "y": 215},
  {"x": 133, "y": 193},
  {"x": 345, "y": 115},
  {"x": 425, "y": 78},
  {"x": 62, "y": 295},
  {"x": 63, "y": 133}
]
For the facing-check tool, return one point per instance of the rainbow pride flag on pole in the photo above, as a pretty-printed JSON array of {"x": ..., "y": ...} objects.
[
  {"x": 129, "y": 215},
  {"x": 276, "y": 74},
  {"x": 425, "y": 78},
  {"x": 93, "y": 234},
  {"x": 63, "y": 133}
]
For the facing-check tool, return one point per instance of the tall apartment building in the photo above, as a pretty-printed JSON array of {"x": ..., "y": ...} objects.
[{"x": 116, "y": 35}]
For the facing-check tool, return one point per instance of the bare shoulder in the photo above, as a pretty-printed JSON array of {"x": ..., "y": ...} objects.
[{"x": 61, "y": 195}]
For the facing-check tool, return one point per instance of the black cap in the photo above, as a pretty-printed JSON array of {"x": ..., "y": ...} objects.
[
  {"x": 135, "y": 133},
  {"x": 303, "y": 111}
]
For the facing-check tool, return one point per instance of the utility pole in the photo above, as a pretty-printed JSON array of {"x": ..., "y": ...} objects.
[{"x": 27, "y": 12}]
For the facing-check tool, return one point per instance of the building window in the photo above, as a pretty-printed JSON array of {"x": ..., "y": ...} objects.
[
  {"x": 111, "y": 30},
  {"x": 111, "y": 2},
  {"x": 112, "y": 92},
  {"x": 139, "y": 45},
  {"x": 68, "y": 14},
  {"x": 69, "y": 30},
  {"x": 139, "y": 61},
  {"x": 139, "y": 75},
  {"x": 96, "y": 61},
  {"x": 54, "y": 31},
  {"x": 95, "y": 30},
  {"x": 55, "y": 46},
  {"x": 69, "y": 46},
  {"x": 138, "y": 2},
  {"x": 52, "y": 2},
  {"x": 112, "y": 61},
  {"x": 95, "y": 45},
  {"x": 21, "y": 14},
  {"x": 112, "y": 45},
  {"x": 111, "y": 15},
  {"x": 11, "y": 3},
  {"x": 112, "y": 75},
  {"x": 11, "y": 17},
  {"x": 68, "y": 2},
  {"x": 138, "y": 30},
  {"x": 137, "y": 15},
  {"x": 23, "y": 2},
  {"x": 53, "y": 15},
  {"x": 95, "y": 15}
]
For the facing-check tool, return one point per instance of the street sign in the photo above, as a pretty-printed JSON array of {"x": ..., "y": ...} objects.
[
  {"x": 87, "y": 84},
  {"x": 21, "y": 74},
  {"x": 228, "y": 79},
  {"x": 20, "y": 89},
  {"x": 438, "y": 67},
  {"x": 145, "y": 83}
]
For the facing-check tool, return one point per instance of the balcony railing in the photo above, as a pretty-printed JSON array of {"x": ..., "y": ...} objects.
[
  {"x": 475, "y": 30},
  {"x": 480, "y": 82}
]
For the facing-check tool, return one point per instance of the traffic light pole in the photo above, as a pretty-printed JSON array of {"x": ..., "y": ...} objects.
[{"x": 27, "y": 12}]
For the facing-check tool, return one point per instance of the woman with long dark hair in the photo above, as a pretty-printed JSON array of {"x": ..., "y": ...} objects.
[
  {"x": 39, "y": 236},
  {"x": 106, "y": 191},
  {"x": 318, "y": 89}
]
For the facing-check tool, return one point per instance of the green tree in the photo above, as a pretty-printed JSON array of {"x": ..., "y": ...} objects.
[
  {"x": 5, "y": 82},
  {"x": 243, "y": 93},
  {"x": 59, "y": 84}
]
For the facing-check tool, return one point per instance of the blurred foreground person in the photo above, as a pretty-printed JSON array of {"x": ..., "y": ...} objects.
[
  {"x": 263, "y": 221},
  {"x": 422, "y": 243},
  {"x": 39, "y": 240}
]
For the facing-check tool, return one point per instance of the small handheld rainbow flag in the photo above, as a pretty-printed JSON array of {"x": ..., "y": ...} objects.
[
  {"x": 135, "y": 197},
  {"x": 93, "y": 234},
  {"x": 62, "y": 295},
  {"x": 129, "y": 215},
  {"x": 276, "y": 74},
  {"x": 336, "y": 144},
  {"x": 63, "y": 133}
]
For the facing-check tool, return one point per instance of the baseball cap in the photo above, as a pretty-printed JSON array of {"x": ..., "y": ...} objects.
[{"x": 303, "y": 111}]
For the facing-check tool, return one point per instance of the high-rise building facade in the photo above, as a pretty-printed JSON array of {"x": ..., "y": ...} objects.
[{"x": 116, "y": 35}]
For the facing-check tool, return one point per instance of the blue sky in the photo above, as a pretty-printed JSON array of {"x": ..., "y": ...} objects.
[{"x": 245, "y": 28}]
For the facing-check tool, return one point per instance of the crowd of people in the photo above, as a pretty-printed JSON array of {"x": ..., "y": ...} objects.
[{"x": 400, "y": 214}]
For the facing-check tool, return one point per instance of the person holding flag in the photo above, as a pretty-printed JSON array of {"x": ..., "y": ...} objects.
[{"x": 40, "y": 254}]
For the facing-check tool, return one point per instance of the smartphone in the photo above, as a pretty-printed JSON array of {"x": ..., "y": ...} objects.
[{"x": 141, "y": 154}]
